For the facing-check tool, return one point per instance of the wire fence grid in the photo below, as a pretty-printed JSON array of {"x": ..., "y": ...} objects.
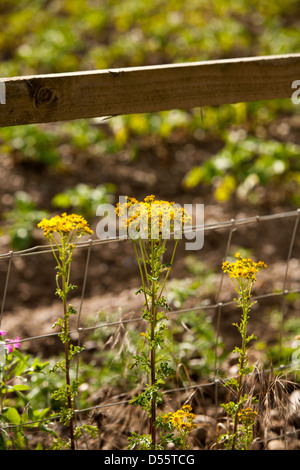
[{"x": 230, "y": 226}]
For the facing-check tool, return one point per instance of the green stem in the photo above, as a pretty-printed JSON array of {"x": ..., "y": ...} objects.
[
  {"x": 153, "y": 350},
  {"x": 66, "y": 346},
  {"x": 1, "y": 393},
  {"x": 53, "y": 251},
  {"x": 168, "y": 272},
  {"x": 243, "y": 355},
  {"x": 141, "y": 271},
  {"x": 150, "y": 268}
]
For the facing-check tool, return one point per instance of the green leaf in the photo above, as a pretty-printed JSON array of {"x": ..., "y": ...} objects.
[
  {"x": 3, "y": 439},
  {"x": 18, "y": 387},
  {"x": 193, "y": 177},
  {"x": 19, "y": 392},
  {"x": 12, "y": 415},
  {"x": 21, "y": 387}
]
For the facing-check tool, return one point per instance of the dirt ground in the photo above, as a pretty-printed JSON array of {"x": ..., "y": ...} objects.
[{"x": 30, "y": 306}]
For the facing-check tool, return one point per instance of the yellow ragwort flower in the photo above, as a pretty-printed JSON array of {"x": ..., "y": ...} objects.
[
  {"x": 182, "y": 420},
  {"x": 243, "y": 268},
  {"x": 156, "y": 215},
  {"x": 65, "y": 225},
  {"x": 247, "y": 416}
]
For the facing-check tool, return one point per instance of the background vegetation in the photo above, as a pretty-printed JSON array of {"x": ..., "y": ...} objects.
[
  {"x": 242, "y": 157},
  {"x": 63, "y": 36}
]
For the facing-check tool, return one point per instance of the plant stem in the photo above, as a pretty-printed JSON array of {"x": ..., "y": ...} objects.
[
  {"x": 141, "y": 271},
  {"x": 150, "y": 267},
  {"x": 66, "y": 348},
  {"x": 153, "y": 350},
  {"x": 1, "y": 394},
  {"x": 168, "y": 272},
  {"x": 243, "y": 356}
]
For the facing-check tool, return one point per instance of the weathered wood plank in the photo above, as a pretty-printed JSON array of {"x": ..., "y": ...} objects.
[{"x": 61, "y": 97}]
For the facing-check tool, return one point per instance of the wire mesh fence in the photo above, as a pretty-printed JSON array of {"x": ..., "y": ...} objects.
[{"x": 275, "y": 289}]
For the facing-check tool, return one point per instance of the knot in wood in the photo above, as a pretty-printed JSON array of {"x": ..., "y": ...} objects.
[{"x": 44, "y": 96}]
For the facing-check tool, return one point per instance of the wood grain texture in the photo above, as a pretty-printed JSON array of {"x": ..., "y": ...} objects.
[{"x": 61, "y": 97}]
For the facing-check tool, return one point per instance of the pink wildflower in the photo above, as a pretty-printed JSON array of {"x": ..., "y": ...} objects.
[{"x": 12, "y": 343}]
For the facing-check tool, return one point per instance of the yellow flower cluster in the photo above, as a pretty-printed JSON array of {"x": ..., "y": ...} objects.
[
  {"x": 243, "y": 268},
  {"x": 65, "y": 225},
  {"x": 182, "y": 420},
  {"x": 156, "y": 215},
  {"x": 247, "y": 416}
]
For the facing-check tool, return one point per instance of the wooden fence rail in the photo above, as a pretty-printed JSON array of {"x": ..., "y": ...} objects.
[{"x": 67, "y": 96}]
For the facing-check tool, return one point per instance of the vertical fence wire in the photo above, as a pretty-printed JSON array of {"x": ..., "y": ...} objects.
[
  {"x": 6, "y": 285},
  {"x": 284, "y": 290},
  {"x": 79, "y": 330}
]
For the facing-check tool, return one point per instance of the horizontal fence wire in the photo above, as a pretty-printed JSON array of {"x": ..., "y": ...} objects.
[
  {"x": 217, "y": 382},
  {"x": 231, "y": 225},
  {"x": 42, "y": 249}
]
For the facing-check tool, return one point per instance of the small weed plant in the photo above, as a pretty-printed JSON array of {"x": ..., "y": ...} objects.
[
  {"x": 242, "y": 272},
  {"x": 147, "y": 223},
  {"x": 63, "y": 233},
  {"x": 178, "y": 425}
]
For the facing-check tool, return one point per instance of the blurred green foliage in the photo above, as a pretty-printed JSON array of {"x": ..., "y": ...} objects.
[
  {"x": 246, "y": 162},
  {"x": 84, "y": 199},
  {"x": 18, "y": 401},
  {"x": 22, "y": 219},
  {"x": 55, "y": 36},
  {"x": 62, "y": 35},
  {"x": 31, "y": 144}
]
